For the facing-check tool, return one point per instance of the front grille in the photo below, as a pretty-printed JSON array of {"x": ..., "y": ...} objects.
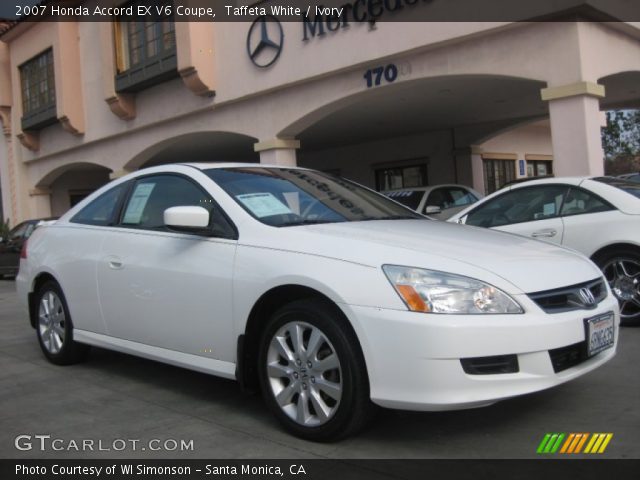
[
  {"x": 566, "y": 357},
  {"x": 490, "y": 365},
  {"x": 575, "y": 297}
]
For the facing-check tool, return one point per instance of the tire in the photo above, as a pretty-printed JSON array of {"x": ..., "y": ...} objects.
[
  {"x": 321, "y": 379},
  {"x": 54, "y": 327},
  {"x": 621, "y": 268}
]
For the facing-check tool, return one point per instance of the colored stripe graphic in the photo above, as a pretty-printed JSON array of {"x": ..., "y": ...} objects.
[
  {"x": 550, "y": 443},
  {"x": 574, "y": 443},
  {"x": 598, "y": 442}
]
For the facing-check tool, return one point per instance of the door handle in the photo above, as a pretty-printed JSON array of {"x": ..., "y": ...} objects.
[
  {"x": 547, "y": 232},
  {"x": 115, "y": 264}
]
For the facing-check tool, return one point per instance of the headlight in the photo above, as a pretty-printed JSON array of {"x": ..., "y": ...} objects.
[{"x": 439, "y": 292}]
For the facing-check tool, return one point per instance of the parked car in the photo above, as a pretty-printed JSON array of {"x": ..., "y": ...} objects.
[
  {"x": 325, "y": 295},
  {"x": 11, "y": 246},
  {"x": 598, "y": 216},
  {"x": 437, "y": 201},
  {"x": 632, "y": 177}
]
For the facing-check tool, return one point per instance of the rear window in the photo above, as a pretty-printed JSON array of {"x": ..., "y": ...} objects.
[
  {"x": 630, "y": 187},
  {"x": 409, "y": 198}
]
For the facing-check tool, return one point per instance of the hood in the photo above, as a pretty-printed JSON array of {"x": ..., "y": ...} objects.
[{"x": 513, "y": 263}]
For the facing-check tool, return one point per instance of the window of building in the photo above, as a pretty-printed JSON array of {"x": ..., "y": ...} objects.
[
  {"x": 392, "y": 178},
  {"x": 539, "y": 168},
  {"x": 38, "y": 87},
  {"x": 497, "y": 173},
  {"x": 145, "y": 52}
]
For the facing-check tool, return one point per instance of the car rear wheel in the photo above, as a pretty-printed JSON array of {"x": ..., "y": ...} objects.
[
  {"x": 312, "y": 373},
  {"x": 622, "y": 271},
  {"x": 54, "y": 327}
]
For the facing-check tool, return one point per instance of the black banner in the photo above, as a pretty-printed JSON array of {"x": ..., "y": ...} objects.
[
  {"x": 539, "y": 469},
  {"x": 314, "y": 11}
]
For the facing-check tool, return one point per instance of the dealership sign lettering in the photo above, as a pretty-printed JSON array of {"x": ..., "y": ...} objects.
[{"x": 359, "y": 11}]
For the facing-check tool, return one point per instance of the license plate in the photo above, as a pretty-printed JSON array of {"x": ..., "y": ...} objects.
[{"x": 600, "y": 333}]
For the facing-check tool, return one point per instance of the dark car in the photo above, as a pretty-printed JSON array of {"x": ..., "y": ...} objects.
[
  {"x": 11, "y": 246},
  {"x": 632, "y": 177}
]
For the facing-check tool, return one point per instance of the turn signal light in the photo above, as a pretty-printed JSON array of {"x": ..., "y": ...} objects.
[
  {"x": 414, "y": 301},
  {"x": 23, "y": 250}
]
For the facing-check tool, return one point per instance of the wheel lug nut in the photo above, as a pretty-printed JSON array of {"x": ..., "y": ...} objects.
[
  {"x": 304, "y": 386},
  {"x": 313, "y": 379},
  {"x": 298, "y": 362},
  {"x": 309, "y": 364},
  {"x": 295, "y": 374}
]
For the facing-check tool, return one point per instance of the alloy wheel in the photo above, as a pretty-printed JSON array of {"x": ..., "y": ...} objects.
[
  {"x": 304, "y": 373},
  {"x": 623, "y": 275},
  {"x": 51, "y": 322}
]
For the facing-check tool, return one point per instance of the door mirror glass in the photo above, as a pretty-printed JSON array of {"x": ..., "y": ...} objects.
[
  {"x": 432, "y": 210},
  {"x": 186, "y": 218}
]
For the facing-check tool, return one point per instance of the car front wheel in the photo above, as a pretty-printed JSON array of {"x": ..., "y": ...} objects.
[
  {"x": 54, "y": 327},
  {"x": 312, "y": 373},
  {"x": 622, "y": 271}
]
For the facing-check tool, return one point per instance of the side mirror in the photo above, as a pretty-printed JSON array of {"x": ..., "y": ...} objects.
[
  {"x": 186, "y": 218},
  {"x": 432, "y": 210}
]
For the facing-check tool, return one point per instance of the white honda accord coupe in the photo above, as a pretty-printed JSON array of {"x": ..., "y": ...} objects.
[{"x": 323, "y": 294}]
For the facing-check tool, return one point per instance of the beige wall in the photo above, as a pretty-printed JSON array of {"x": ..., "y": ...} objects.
[{"x": 309, "y": 81}]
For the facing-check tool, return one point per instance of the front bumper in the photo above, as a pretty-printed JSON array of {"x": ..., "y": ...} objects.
[{"x": 414, "y": 359}]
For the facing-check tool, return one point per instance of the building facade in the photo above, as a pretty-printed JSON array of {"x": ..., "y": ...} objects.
[{"x": 389, "y": 105}]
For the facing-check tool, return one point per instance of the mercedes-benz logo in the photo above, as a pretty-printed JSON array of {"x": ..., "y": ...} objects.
[{"x": 265, "y": 40}]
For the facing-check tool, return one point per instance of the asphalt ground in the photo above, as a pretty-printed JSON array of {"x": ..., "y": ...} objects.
[{"x": 114, "y": 400}]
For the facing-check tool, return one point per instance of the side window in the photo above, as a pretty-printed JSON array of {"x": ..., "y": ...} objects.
[
  {"x": 520, "y": 205},
  {"x": 579, "y": 202},
  {"x": 102, "y": 210},
  {"x": 152, "y": 195},
  {"x": 18, "y": 232},
  {"x": 449, "y": 197}
]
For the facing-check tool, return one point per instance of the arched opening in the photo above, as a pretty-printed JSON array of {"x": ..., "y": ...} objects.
[
  {"x": 197, "y": 147},
  {"x": 71, "y": 183},
  {"x": 415, "y": 132}
]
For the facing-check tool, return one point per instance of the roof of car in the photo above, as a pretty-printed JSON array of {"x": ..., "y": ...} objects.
[{"x": 208, "y": 165}]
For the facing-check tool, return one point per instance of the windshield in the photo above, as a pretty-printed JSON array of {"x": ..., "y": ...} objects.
[
  {"x": 409, "y": 198},
  {"x": 630, "y": 187},
  {"x": 284, "y": 197}
]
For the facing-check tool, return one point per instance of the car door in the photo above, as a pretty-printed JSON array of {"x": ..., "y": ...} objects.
[
  {"x": 164, "y": 288},
  {"x": 532, "y": 211},
  {"x": 587, "y": 220}
]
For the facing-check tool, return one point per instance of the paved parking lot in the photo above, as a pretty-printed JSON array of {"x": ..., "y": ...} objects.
[{"x": 115, "y": 396}]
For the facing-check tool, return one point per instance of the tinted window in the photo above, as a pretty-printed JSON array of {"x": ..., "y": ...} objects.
[
  {"x": 285, "y": 197},
  {"x": 19, "y": 231},
  {"x": 409, "y": 198},
  {"x": 151, "y": 196},
  {"x": 102, "y": 210},
  {"x": 579, "y": 201},
  {"x": 520, "y": 205},
  {"x": 630, "y": 187}
]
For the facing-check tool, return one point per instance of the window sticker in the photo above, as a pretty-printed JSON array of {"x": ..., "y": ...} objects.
[
  {"x": 138, "y": 201},
  {"x": 263, "y": 204},
  {"x": 549, "y": 209}
]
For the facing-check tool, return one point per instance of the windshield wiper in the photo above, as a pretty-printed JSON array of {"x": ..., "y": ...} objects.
[
  {"x": 390, "y": 217},
  {"x": 308, "y": 221}
]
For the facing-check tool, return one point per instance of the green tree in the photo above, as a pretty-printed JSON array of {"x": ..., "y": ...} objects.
[{"x": 621, "y": 136}]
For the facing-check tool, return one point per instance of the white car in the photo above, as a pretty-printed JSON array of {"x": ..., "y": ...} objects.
[
  {"x": 437, "y": 201},
  {"x": 324, "y": 294},
  {"x": 599, "y": 217}
]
